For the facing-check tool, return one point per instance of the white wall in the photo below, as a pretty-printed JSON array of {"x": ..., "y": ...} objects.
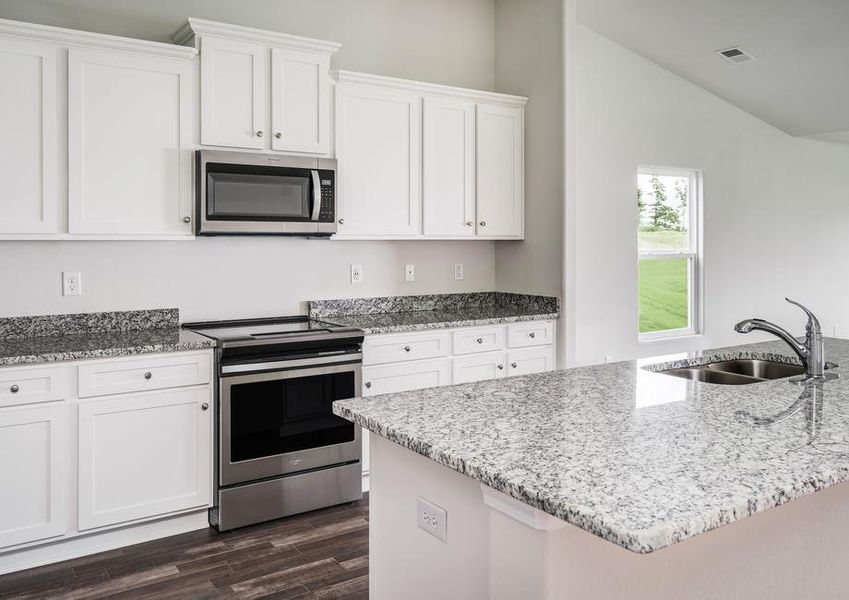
[
  {"x": 776, "y": 208},
  {"x": 444, "y": 41}
]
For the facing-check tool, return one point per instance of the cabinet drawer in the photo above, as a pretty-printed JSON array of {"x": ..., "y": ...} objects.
[
  {"x": 31, "y": 384},
  {"x": 530, "y": 333},
  {"x": 479, "y": 367},
  {"x": 530, "y": 360},
  {"x": 402, "y": 347},
  {"x": 387, "y": 379},
  {"x": 483, "y": 339},
  {"x": 148, "y": 373}
]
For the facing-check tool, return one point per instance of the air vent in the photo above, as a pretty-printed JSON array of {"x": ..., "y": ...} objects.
[{"x": 736, "y": 55}]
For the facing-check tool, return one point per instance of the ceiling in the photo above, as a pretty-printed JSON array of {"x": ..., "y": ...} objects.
[{"x": 800, "y": 80}]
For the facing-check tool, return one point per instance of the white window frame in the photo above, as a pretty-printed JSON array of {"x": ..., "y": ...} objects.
[{"x": 694, "y": 254}]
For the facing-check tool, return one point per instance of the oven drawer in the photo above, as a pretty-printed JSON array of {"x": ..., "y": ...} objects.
[
  {"x": 151, "y": 372},
  {"x": 28, "y": 385},
  {"x": 289, "y": 495},
  {"x": 530, "y": 333},
  {"x": 380, "y": 349}
]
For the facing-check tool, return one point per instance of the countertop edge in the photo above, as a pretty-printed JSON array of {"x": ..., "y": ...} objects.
[
  {"x": 118, "y": 351},
  {"x": 456, "y": 324}
]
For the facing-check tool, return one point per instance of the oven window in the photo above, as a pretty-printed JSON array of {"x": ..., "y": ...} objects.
[
  {"x": 257, "y": 193},
  {"x": 286, "y": 415}
]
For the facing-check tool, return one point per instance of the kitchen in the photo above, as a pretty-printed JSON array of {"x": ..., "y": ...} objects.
[{"x": 447, "y": 135}]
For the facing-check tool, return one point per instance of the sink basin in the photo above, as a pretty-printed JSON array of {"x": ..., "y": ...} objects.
[{"x": 740, "y": 371}]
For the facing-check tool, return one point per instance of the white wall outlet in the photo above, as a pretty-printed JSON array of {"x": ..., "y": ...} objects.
[
  {"x": 409, "y": 272},
  {"x": 432, "y": 518},
  {"x": 72, "y": 283},
  {"x": 458, "y": 271},
  {"x": 356, "y": 273}
]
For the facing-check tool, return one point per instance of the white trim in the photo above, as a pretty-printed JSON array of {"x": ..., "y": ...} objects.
[
  {"x": 355, "y": 77},
  {"x": 523, "y": 513},
  {"x": 86, "y": 39},
  {"x": 194, "y": 27}
]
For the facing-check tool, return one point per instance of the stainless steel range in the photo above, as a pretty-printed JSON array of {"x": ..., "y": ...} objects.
[{"x": 280, "y": 449}]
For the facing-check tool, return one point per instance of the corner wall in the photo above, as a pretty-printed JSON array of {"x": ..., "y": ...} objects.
[{"x": 776, "y": 207}]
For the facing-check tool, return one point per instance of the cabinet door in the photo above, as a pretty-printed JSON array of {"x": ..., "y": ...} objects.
[
  {"x": 448, "y": 202},
  {"x": 300, "y": 101},
  {"x": 129, "y": 135},
  {"x": 28, "y": 147},
  {"x": 530, "y": 360},
  {"x": 402, "y": 377},
  {"x": 233, "y": 93},
  {"x": 379, "y": 153},
  {"x": 33, "y": 468},
  {"x": 478, "y": 367},
  {"x": 143, "y": 455},
  {"x": 500, "y": 171}
]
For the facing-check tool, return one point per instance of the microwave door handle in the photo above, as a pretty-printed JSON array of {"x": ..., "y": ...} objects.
[{"x": 316, "y": 195}]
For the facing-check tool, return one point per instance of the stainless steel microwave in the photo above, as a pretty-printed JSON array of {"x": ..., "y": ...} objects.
[{"x": 242, "y": 193}]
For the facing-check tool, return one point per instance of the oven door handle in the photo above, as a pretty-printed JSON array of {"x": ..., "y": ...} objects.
[
  {"x": 317, "y": 362},
  {"x": 316, "y": 194}
]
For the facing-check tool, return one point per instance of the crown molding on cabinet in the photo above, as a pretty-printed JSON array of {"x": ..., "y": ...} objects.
[
  {"x": 86, "y": 39},
  {"x": 395, "y": 83},
  {"x": 197, "y": 27}
]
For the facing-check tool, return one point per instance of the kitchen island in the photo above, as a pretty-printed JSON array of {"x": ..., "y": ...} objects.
[{"x": 613, "y": 481}]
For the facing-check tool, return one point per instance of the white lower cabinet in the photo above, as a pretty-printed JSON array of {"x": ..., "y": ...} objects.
[
  {"x": 479, "y": 367},
  {"x": 530, "y": 360},
  {"x": 143, "y": 455},
  {"x": 33, "y": 466}
]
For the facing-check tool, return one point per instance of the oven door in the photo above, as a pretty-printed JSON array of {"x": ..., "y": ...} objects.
[{"x": 281, "y": 422}]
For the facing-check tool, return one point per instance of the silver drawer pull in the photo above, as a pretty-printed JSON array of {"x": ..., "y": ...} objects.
[
  {"x": 500, "y": 367},
  {"x": 368, "y": 384},
  {"x": 514, "y": 365},
  {"x": 483, "y": 223},
  {"x": 278, "y": 135},
  {"x": 14, "y": 389},
  {"x": 469, "y": 223},
  {"x": 204, "y": 406},
  {"x": 532, "y": 335},
  {"x": 407, "y": 348},
  {"x": 148, "y": 375},
  {"x": 480, "y": 340},
  {"x": 259, "y": 134}
]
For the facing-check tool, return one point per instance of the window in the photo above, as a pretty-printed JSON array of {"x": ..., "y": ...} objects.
[{"x": 668, "y": 201}]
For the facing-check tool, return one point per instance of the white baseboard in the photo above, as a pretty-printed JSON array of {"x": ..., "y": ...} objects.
[
  {"x": 365, "y": 482},
  {"x": 83, "y": 545}
]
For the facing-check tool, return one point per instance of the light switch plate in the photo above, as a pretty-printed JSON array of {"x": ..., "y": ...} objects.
[
  {"x": 432, "y": 519},
  {"x": 356, "y": 273},
  {"x": 458, "y": 271},
  {"x": 409, "y": 272},
  {"x": 72, "y": 283}
]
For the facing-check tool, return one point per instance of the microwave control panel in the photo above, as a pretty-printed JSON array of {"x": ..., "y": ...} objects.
[{"x": 326, "y": 213}]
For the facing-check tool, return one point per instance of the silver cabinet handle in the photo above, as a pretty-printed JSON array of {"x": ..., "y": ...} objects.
[
  {"x": 469, "y": 223},
  {"x": 514, "y": 365},
  {"x": 204, "y": 406},
  {"x": 368, "y": 384},
  {"x": 14, "y": 389},
  {"x": 532, "y": 335},
  {"x": 483, "y": 223},
  {"x": 341, "y": 221},
  {"x": 148, "y": 375},
  {"x": 187, "y": 219},
  {"x": 259, "y": 134},
  {"x": 500, "y": 367},
  {"x": 407, "y": 348},
  {"x": 278, "y": 135},
  {"x": 479, "y": 340}
]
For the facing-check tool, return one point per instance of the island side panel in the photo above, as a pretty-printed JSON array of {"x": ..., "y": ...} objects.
[{"x": 405, "y": 561}]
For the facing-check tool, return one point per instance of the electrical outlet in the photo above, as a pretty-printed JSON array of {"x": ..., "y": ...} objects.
[
  {"x": 409, "y": 272},
  {"x": 458, "y": 271},
  {"x": 432, "y": 519},
  {"x": 356, "y": 273},
  {"x": 72, "y": 283}
]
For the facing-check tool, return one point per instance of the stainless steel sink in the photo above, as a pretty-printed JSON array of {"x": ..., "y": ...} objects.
[{"x": 740, "y": 371}]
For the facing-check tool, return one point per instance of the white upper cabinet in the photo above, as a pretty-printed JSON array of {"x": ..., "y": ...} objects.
[
  {"x": 378, "y": 141},
  {"x": 28, "y": 146},
  {"x": 262, "y": 89},
  {"x": 300, "y": 101},
  {"x": 448, "y": 180},
  {"x": 233, "y": 92},
  {"x": 144, "y": 184},
  {"x": 500, "y": 171},
  {"x": 427, "y": 161}
]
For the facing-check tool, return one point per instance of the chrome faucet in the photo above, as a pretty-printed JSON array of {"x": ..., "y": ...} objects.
[{"x": 811, "y": 353}]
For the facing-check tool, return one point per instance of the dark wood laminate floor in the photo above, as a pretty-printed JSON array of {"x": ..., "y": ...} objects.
[{"x": 318, "y": 555}]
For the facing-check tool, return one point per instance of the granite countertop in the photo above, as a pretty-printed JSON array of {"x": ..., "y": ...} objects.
[
  {"x": 639, "y": 458},
  {"x": 50, "y": 338},
  {"x": 392, "y": 314}
]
